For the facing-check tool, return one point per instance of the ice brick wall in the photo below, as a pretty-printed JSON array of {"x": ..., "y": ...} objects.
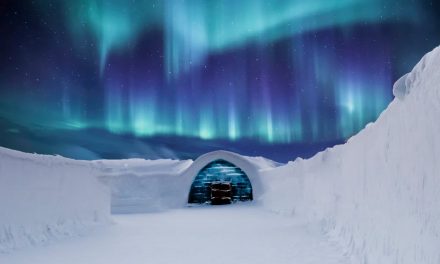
[{"x": 220, "y": 170}]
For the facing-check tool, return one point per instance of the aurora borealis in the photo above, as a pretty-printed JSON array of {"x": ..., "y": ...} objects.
[{"x": 272, "y": 73}]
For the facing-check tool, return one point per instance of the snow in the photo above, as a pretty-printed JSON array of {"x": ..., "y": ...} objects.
[
  {"x": 144, "y": 186},
  {"x": 45, "y": 197},
  {"x": 400, "y": 89},
  {"x": 222, "y": 234},
  {"x": 378, "y": 193}
]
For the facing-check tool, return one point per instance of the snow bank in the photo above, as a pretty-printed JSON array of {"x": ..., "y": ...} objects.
[
  {"x": 44, "y": 197},
  {"x": 143, "y": 186},
  {"x": 400, "y": 88},
  {"x": 379, "y": 192},
  {"x": 139, "y": 185}
]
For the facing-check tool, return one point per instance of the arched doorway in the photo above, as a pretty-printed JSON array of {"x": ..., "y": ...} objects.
[{"x": 224, "y": 171}]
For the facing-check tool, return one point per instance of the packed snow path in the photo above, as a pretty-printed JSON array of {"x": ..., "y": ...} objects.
[{"x": 221, "y": 234}]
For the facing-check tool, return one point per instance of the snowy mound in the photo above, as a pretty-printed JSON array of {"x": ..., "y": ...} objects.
[
  {"x": 378, "y": 193},
  {"x": 44, "y": 197},
  {"x": 400, "y": 88}
]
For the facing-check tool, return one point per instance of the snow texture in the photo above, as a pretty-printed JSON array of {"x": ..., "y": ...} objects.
[
  {"x": 379, "y": 193},
  {"x": 45, "y": 197},
  {"x": 144, "y": 186},
  {"x": 400, "y": 88},
  {"x": 241, "y": 233}
]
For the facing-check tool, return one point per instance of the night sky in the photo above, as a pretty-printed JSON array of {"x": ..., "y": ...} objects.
[{"x": 123, "y": 78}]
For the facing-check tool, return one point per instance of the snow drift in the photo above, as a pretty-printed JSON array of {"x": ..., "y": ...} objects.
[
  {"x": 44, "y": 197},
  {"x": 379, "y": 192}
]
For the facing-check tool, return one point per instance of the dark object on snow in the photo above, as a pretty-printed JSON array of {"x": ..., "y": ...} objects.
[
  {"x": 221, "y": 192},
  {"x": 220, "y": 171}
]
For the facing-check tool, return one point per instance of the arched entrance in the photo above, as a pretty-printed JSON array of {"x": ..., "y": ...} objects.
[{"x": 224, "y": 171}]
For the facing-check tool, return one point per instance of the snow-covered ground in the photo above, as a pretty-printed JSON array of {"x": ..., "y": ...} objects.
[{"x": 223, "y": 234}]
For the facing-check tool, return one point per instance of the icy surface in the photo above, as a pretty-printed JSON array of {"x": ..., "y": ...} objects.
[
  {"x": 379, "y": 193},
  {"x": 44, "y": 197},
  {"x": 222, "y": 234}
]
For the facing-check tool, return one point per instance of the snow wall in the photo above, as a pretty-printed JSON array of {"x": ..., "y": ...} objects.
[
  {"x": 378, "y": 194},
  {"x": 44, "y": 197},
  {"x": 143, "y": 186}
]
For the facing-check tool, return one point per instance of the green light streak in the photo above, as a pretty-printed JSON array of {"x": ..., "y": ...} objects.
[{"x": 194, "y": 28}]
